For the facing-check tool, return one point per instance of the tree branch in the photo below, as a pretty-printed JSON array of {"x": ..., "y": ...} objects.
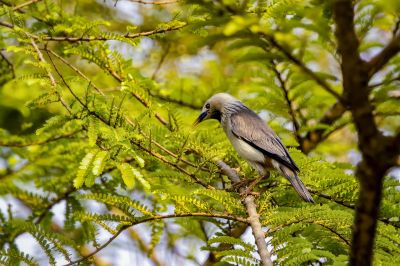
[
  {"x": 314, "y": 137},
  {"x": 10, "y": 65},
  {"x": 372, "y": 86},
  {"x": 143, "y": 247},
  {"x": 380, "y": 60},
  {"x": 154, "y": 218},
  {"x": 347, "y": 242},
  {"x": 378, "y": 152},
  {"x": 80, "y": 73},
  {"x": 271, "y": 40},
  {"x": 40, "y": 142},
  {"x": 165, "y": 2},
  {"x": 6, "y": 24},
  {"x": 51, "y": 77},
  {"x": 105, "y": 38},
  {"x": 289, "y": 103},
  {"x": 25, "y": 4},
  {"x": 253, "y": 219},
  {"x": 236, "y": 231},
  {"x": 72, "y": 39}
]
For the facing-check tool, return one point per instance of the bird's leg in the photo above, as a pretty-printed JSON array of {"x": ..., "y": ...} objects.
[
  {"x": 249, "y": 189},
  {"x": 241, "y": 183}
]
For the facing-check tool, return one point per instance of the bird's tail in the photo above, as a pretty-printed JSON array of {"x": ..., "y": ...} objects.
[{"x": 297, "y": 184}]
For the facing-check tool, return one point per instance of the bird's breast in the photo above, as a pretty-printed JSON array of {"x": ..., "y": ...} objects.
[{"x": 246, "y": 151}]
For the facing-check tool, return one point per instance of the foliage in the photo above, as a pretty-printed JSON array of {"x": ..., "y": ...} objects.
[{"x": 96, "y": 117}]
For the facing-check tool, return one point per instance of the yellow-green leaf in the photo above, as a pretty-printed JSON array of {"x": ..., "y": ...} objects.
[
  {"x": 127, "y": 175},
  {"x": 83, "y": 169}
]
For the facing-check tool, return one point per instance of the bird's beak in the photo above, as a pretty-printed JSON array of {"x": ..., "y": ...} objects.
[{"x": 200, "y": 118}]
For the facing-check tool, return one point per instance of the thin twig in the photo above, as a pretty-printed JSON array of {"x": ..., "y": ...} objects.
[
  {"x": 165, "y": 2},
  {"x": 347, "y": 242},
  {"x": 163, "y": 56},
  {"x": 175, "y": 165},
  {"x": 289, "y": 103},
  {"x": 25, "y": 4},
  {"x": 10, "y": 65},
  {"x": 126, "y": 118},
  {"x": 41, "y": 142},
  {"x": 372, "y": 86},
  {"x": 6, "y": 24},
  {"x": 51, "y": 77},
  {"x": 154, "y": 218},
  {"x": 105, "y": 38},
  {"x": 387, "y": 53},
  {"x": 96, "y": 38},
  {"x": 76, "y": 70},
  {"x": 271, "y": 40}
]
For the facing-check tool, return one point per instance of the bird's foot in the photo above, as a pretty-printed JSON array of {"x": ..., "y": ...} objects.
[
  {"x": 247, "y": 192},
  {"x": 241, "y": 184}
]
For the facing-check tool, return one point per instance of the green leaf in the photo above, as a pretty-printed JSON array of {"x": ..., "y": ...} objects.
[
  {"x": 93, "y": 130},
  {"x": 127, "y": 173},
  {"x": 99, "y": 163},
  {"x": 83, "y": 169}
]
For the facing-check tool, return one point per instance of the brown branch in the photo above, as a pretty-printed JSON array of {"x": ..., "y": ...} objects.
[
  {"x": 384, "y": 82},
  {"x": 6, "y": 24},
  {"x": 347, "y": 242},
  {"x": 271, "y": 40},
  {"x": 143, "y": 247},
  {"x": 350, "y": 206},
  {"x": 107, "y": 122},
  {"x": 379, "y": 153},
  {"x": 55, "y": 201},
  {"x": 175, "y": 101},
  {"x": 285, "y": 90},
  {"x": 51, "y": 77},
  {"x": 154, "y": 218},
  {"x": 328, "y": 197},
  {"x": 165, "y": 2},
  {"x": 39, "y": 217},
  {"x": 25, "y": 4},
  {"x": 104, "y": 38},
  {"x": 126, "y": 118},
  {"x": 175, "y": 165},
  {"x": 10, "y": 65},
  {"x": 80, "y": 73},
  {"x": 160, "y": 63},
  {"x": 314, "y": 137},
  {"x": 259, "y": 236},
  {"x": 253, "y": 219},
  {"x": 138, "y": 97},
  {"x": 387, "y": 53},
  {"x": 41, "y": 142},
  {"x": 236, "y": 231},
  {"x": 96, "y": 38}
]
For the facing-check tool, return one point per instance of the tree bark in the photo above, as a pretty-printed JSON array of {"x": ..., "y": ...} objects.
[
  {"x": 379, "y": 153},
  {"x": 253, "y": 219}
]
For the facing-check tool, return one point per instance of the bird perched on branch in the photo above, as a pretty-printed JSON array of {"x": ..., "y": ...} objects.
[{"x": 253, "y": 139}]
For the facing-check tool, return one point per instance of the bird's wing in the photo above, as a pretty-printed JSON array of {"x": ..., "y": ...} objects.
[{"x": 249, "y": 127}]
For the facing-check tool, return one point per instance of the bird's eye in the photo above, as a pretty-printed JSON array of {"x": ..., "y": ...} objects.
[{"x": 207, "y": 106}]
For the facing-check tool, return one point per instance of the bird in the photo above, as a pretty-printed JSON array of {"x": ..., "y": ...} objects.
[{"x": 253, "y": 139}]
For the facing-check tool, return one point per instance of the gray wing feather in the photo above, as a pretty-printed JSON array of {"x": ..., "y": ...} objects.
[{"x": 249, "y": 127}]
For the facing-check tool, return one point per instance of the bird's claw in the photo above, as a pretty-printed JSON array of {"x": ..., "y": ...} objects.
[
  {"x": 248, "y": 192},
  {"x": 242, "y": 183}
]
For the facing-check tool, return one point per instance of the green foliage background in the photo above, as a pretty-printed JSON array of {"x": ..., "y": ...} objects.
[{"x": 96, "y": 106}]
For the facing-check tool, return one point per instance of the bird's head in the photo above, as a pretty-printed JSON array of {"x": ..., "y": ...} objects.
[{"x": 214, "y": 107}]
